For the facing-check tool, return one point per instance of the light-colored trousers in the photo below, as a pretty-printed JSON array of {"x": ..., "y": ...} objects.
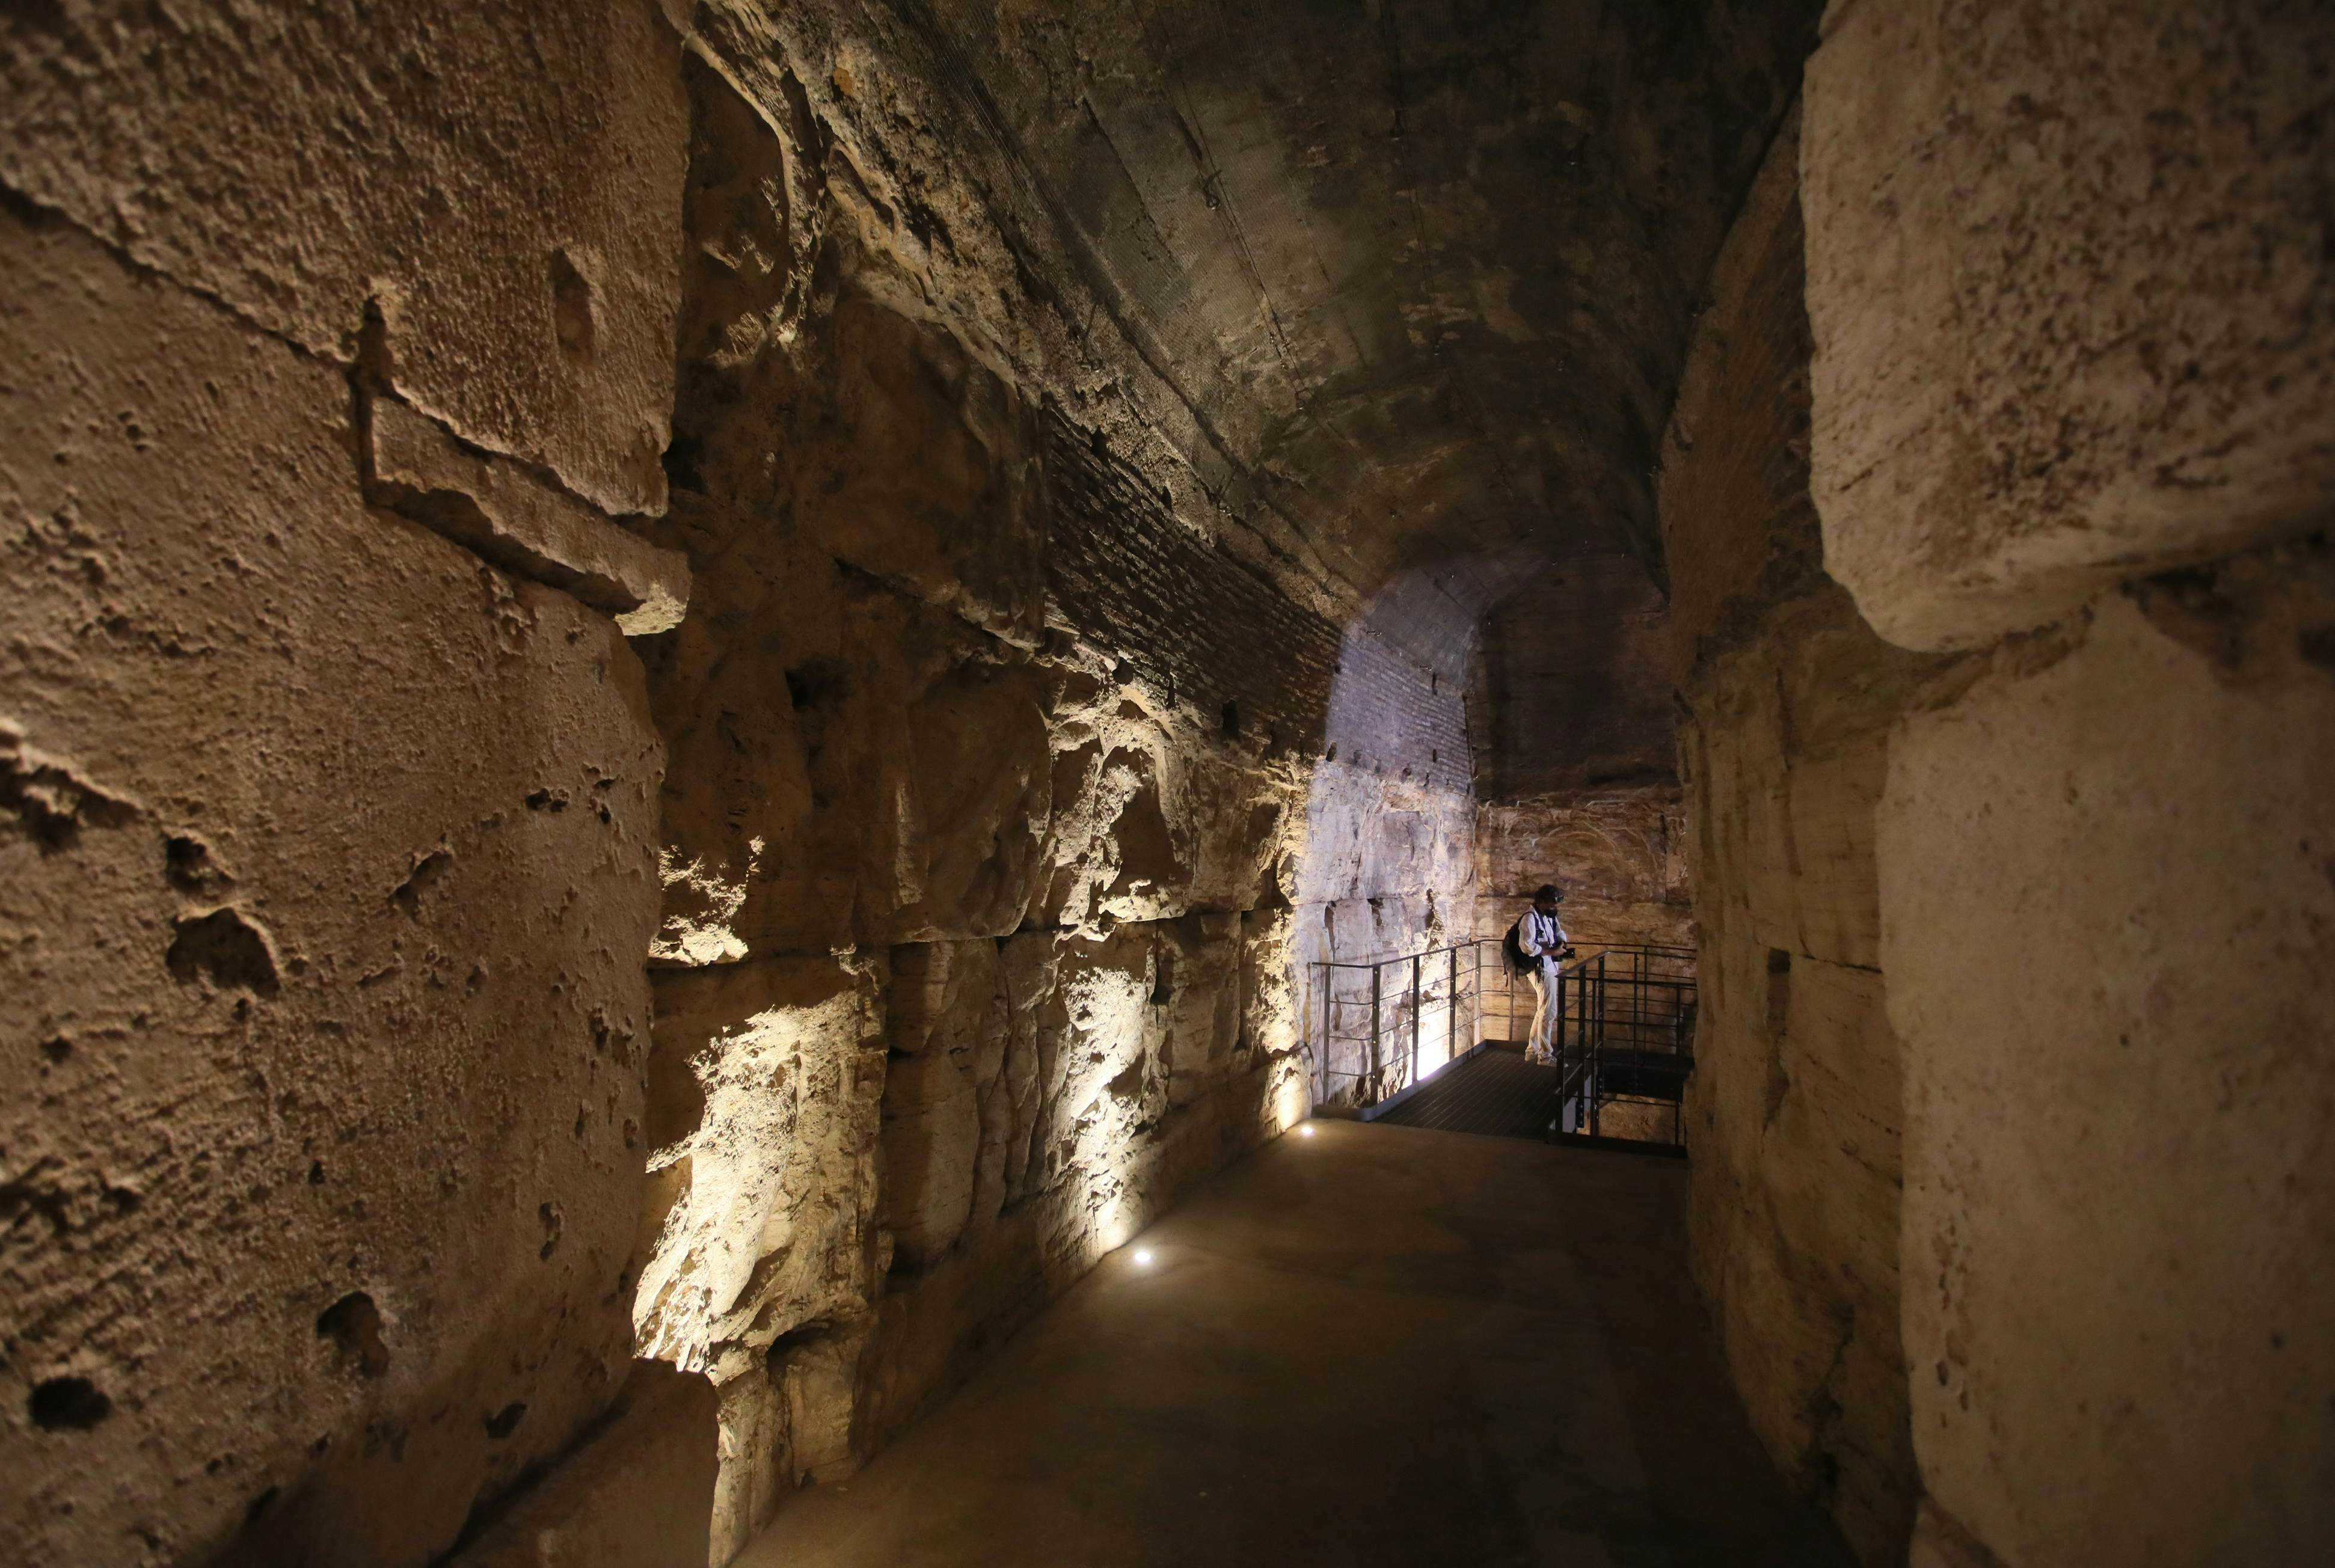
[{"x": 1542, "y": 1044}]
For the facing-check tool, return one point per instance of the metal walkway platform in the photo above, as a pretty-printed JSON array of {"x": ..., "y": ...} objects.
[{"x": 1495, "y": 1091}]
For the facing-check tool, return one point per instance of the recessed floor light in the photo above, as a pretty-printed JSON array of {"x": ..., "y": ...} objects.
[
  {"x": 1143, "y": 1256},
  {"x": 1305, "y": 1131}
]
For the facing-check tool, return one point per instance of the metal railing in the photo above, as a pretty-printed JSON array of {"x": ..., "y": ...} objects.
[
  {"x": 1623, "y": 1042},
  {"x": 1391, "y": 1023},
  {"x": 1622, "y": 1032}
]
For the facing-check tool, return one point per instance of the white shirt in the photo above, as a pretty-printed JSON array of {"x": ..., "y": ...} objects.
[{"x": 1541, "y": 935}]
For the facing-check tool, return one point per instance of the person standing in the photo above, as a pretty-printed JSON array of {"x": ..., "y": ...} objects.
[{"x": 1539, "y": 939}]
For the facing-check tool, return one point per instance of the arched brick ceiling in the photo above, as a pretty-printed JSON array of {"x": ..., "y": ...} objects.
[{"x": 1422, "y": 272}]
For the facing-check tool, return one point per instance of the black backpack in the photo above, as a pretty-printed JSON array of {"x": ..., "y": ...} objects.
[{"x": 1519, "y": 959}]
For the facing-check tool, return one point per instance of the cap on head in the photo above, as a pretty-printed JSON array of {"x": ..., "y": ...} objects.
[{"x": 1548, "y": 893}]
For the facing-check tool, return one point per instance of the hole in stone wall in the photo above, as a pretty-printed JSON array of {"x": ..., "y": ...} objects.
[
  {"x": 684, "y": 464},
  {"x": 505, "y": 1421},
  {"x": 1779, "y": 989},
  {"x": 187, "y": 866},
  {"x": 68, "y": 1405},
  {"x": 794, "y": 1340},
  {"x": 571, "y": 310},
  {"x": 814, "y": 683},
  {"x": 407, "y": 895},
  {"x": 354, "y": 1323},
  {"x": 1230, "y": 723},
  {"x": 677, "y": 1099},
  {"x": 225, "y": 947},
  {"x": 258, "y": 1505},
  {"x": 1163, "y": 977}
]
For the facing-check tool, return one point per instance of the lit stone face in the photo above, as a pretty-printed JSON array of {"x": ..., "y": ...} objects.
[
  {"x": 2109, "y": 890},
  {"x": 303, "y": 165},
  {"x": 760, "y": 1207},
  {"x": 2071, "y": 383},
  {"x": 323, "y": 881}
]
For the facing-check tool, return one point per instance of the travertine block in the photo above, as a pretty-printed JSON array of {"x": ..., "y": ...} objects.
[
  {"x": 2106, "y": 954},
  {"x": 1196, "y": 997},
  {"x": 767, "y": 1232},
  {"x": 2067, "y": 281},
  {"x": 501, "y": 185},
  {"x": 926, "y": 471},
  {"x": 1793, "y": 1108},
  {"x": 520, "y": 523},
  {"x": 323, "y": 879},
  {"x": 932, "y": 1141}
]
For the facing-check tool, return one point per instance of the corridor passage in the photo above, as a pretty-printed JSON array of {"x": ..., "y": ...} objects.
[{"x": 1363, "y": 1345}]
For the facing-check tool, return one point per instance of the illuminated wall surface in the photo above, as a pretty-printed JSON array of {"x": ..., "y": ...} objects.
[{"x": 688, "y": 697}]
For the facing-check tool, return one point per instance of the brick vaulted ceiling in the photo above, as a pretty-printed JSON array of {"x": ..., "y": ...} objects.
[{"x": 1420, "y": 273}]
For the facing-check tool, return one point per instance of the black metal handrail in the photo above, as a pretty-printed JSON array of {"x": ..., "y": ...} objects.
[
  {"x": 1624, "y": 1033},
  {"x": 1383, "y": 1021},
  {"x": 1621, "y": 1032}
]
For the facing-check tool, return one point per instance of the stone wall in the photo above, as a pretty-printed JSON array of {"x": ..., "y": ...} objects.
[
  {"x": 2072, "y": 396},
  {"x": 668, "y": 767},
  {"x": 328, "y": 792},
  {"x": 1570, "y": 717},
  {"x": 1622, "y": 857},
  {"x": 1570, "y": 688},
  {"x": 1006, "y": 814},
  {"x": 1794, "y": 1110}
]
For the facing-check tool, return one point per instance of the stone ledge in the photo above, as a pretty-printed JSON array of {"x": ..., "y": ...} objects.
[{"x": 415, "y": 469}]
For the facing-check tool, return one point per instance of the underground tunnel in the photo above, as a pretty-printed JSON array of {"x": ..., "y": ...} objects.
[{"x": 764, "y": 769}]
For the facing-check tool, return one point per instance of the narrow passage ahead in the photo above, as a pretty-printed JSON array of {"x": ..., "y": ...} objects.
[{"x": 1363, "y": 1345}]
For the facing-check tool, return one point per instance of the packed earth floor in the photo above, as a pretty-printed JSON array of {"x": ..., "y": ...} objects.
[{"x": 1361, "y": 1345}]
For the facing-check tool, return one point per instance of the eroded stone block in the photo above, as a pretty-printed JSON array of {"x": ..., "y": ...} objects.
[
  {"x": 520, "y": 523},
  {"x": 1195, "y": 994},
  {"x": 2115, "y": 1281},
  {"x": 928, "y": 474},
  {"x": 772, "y": 1229},
  {"x": 868, "y": 769},
  {"x": 932, "y": 1139},
  {"x": 502, "y": 186},
  {"x": 2066, "y": 273}
]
